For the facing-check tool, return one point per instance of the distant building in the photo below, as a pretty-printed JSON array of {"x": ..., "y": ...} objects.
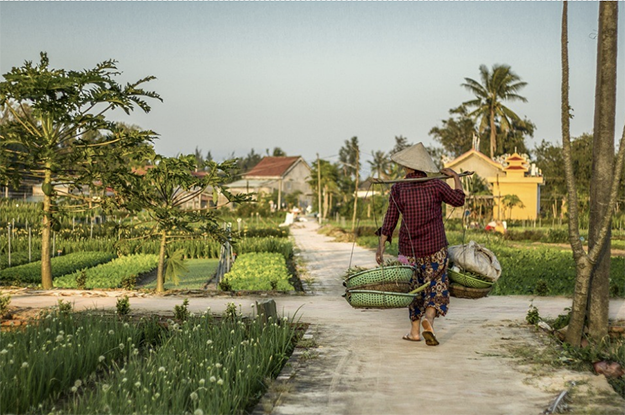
[
  {"x": 509, "y": 175},
  {"x": 286, "y": 175}
]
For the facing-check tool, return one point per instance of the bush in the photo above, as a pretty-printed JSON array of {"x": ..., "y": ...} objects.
[
  {"x": 258, "y": 271},
  {"x": 120, "y": 272},
  {"x": 5, "y": 300},
  {"x": 62, "y": 265}
]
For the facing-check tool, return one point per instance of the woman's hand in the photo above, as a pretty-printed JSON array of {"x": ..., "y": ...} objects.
[
  {"x": 379, "y": 254},
  {"x": 449, "y": 172}
]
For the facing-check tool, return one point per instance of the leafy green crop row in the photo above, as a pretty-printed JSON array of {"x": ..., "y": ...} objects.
[
  {"x": 111, "y": 274},
  {"x": 61, "y": 265},
  {"x": 258, "y": 271},
  {"x": 545, "y": 271}
]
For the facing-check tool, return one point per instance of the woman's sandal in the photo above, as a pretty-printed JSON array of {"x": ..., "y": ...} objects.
[{"x": 428, "y": 333}]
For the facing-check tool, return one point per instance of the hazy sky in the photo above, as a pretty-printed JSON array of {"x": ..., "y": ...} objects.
[{"x": 306, "y": 76}]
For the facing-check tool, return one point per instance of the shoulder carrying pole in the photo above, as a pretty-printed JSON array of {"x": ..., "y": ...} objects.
[{"x": 422, "y": 179}]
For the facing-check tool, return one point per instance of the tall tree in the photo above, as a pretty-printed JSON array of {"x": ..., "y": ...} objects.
[
  {"x": 379, "y": 164},
  {"x": 348, "y": 156},
  {"x": 56, "y": 143},
  {"x": 401, "y": 143},
  {"x": 277, "y": 152},
  {"x": 457, "y": 133},
  {"x": 328, "y": 175},
  {"x": 164, "y": 191},
  {"x": 606, "y": 176},
  {"x": 495, "y": 87}
]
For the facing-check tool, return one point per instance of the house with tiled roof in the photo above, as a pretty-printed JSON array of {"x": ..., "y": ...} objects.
[
  {"x": 286, "y": 175},
  {"x": 508, "y": 175}
]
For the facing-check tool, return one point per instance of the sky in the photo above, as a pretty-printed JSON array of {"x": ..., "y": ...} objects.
[{"x": 307, "y": 76}]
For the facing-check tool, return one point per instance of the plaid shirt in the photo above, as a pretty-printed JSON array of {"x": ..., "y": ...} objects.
[{"x": 420, "y": 203}]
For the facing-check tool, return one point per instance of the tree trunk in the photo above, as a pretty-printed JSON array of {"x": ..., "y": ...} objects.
[
  {"x": 160, "y": 274},
  {"x": 582, "y": 266},
  {"x": 602, "y": 166},
  {"x": 493, "y": 134},
  {"x": 326, "y": 204},
  {"x": 46, "y": 233},
  {"x": 580, "y": 301}
]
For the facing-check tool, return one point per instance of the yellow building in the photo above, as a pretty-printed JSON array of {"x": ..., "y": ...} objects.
[
  {"x": 507, "y": 178},
  {"x": 516, "y": 183}
]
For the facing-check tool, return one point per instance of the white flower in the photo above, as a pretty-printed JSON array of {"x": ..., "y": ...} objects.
[
  {"x": 78, "y": 383},
  {"x": 198, "y": 411},
  {"x": 124, "y": 380},
  {"x": 24, "y": 365},
  {"x": 161, "y": 369},
  {"x": 218, "y": 365},
  {"x": 122, "y": 370},
  {"x": 220, "y": 382},
  {"x": 4, "y": 351},
  {"x": 193, "y": 396},
  {"x": 231, "y": 331},
  {"x": 74, "y": 389},
  {"x": 121, "y": 346},
  {"x": 156, "y": 395},
  {"x": 209, "y": 342},
  {"x": 101, "y": 359},
  {"x": 213, "y": 379},
  {"x": 202, "y": 381},
  {"x": 126, "y": 325},
  {"x": 135, "y": 352},
  {"x": 111, "y": 332},
  {"x": 59, "y": 338},
  {"x": 105, "y": 387},
  {"x": 48, "y": 330},
  {"x": 138, "y": 385}
]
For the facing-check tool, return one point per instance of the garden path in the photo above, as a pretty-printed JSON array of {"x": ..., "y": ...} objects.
[{"x": 360, "y": 364}]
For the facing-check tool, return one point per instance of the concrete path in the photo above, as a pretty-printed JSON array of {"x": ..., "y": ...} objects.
[{"x": 362, "y": 366}]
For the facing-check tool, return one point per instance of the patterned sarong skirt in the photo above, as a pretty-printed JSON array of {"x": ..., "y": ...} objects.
[{"x": 432, "y": 270}]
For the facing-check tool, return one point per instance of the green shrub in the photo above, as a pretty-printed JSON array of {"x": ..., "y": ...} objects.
[
  {"x": 181, "y": 312},
  {"x": 122, "y": 307},
  {"x": 61, "y": 265},
  {"x": 5, "y": 301},
  {"x": 112, "y": 274},
  {"x": 259, "y": 271},
  {"x": 19, "y": 258}
]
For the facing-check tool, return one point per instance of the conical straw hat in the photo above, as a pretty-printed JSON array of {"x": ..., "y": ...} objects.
[{"x": 415, "y": 157}]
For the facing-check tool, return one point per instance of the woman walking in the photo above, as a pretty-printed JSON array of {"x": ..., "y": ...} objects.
[{"x": 422, "y": 239}]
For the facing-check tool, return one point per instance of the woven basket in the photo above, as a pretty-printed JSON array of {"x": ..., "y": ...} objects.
[
  {"x": 460, "y": 291},
  {"x": 468, "y": 281},
  {"x": 377, "y": 299},
  {"x": 395, "y": 287},
  {"x": 393, "y": 274}
]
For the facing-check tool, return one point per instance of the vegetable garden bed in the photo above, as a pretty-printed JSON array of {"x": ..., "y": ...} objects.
[{"x": 93, "y": 363}]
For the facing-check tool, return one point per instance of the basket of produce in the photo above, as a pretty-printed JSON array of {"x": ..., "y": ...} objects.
[
  {"x": 460, "y": 291},
  {"x": 397, "y": 274},
  {"x": 469, "y": 279},
  {"x": 380, "y": 299}
]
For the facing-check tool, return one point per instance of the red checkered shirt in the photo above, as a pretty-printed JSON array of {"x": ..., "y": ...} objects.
[{"x": 420, "y": 203}]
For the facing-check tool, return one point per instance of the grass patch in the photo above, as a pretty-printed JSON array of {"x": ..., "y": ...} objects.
[{"x": 199, "y": 272}]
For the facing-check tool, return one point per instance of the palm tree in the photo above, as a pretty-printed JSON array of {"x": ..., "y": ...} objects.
[
  {"x": 500, "y": 85},
  {"x": 379, "y": 164}
]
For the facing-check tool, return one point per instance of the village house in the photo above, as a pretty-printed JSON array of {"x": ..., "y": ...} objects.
[
  {"x": 506, "y": 177},
  {"x": 286, "y": 175}
]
